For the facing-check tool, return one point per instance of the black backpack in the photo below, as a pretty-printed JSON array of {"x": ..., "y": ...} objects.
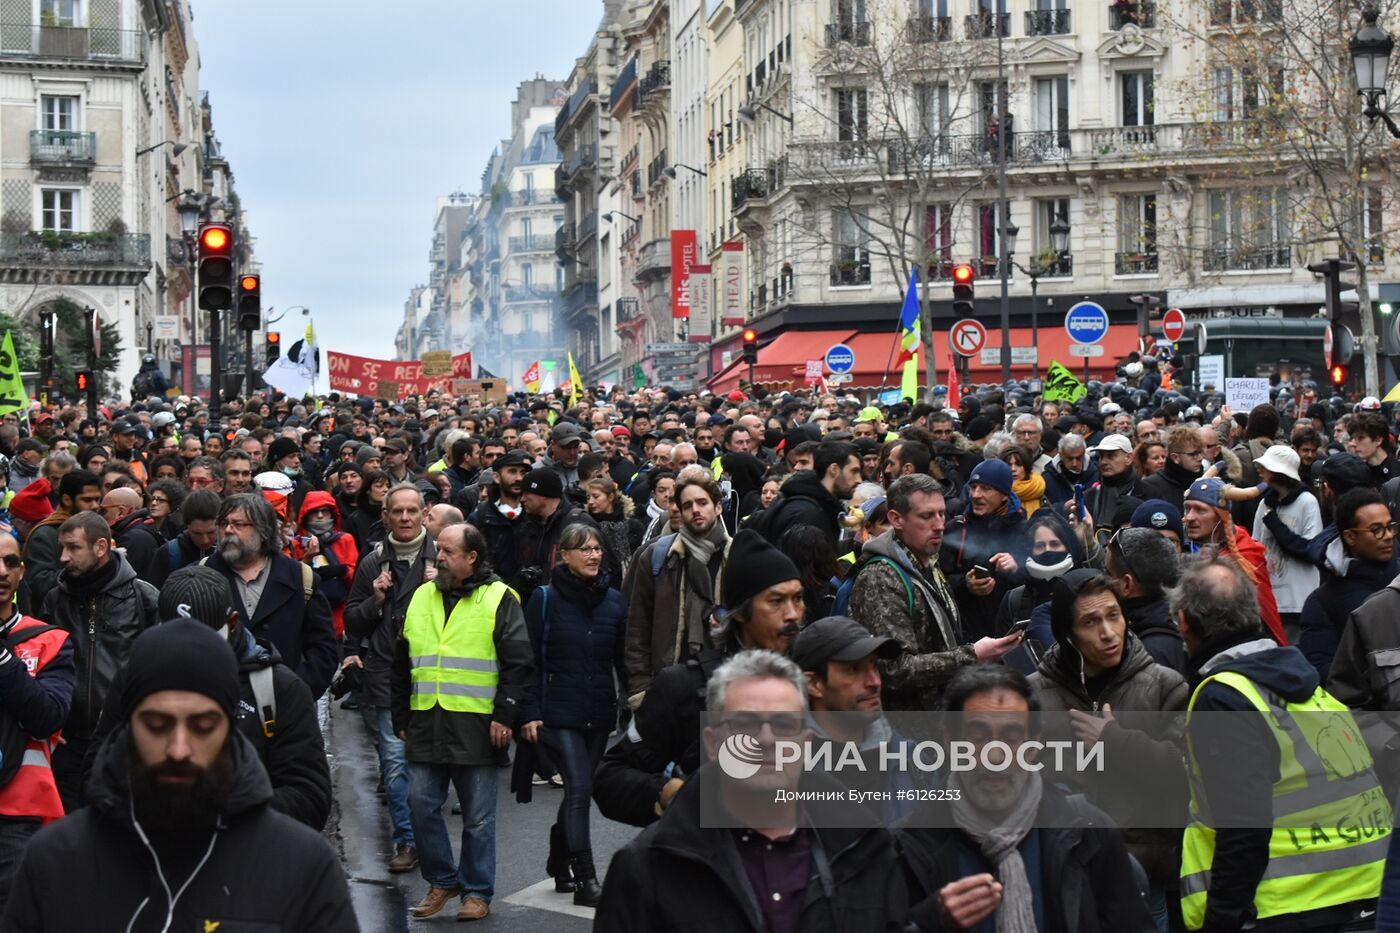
[{"x": 13, "y": 739}]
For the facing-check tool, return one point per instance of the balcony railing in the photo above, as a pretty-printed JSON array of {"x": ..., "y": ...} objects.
[
  {"x": 850, "y": 273},
  {"x": 656, "y": 169},
  {"x": 536, "y": 243},
  {"x": 851, "y": 33},
  {"x": 654, "y": 261},
  {"x": 1047, "y": 22},
  {"x": 753, "y": 184},
  {"x": 565, "y": 241},
  {"x": 533, "y": 196},
  {"x": 32, "y": 40},
  {"x": 987, "y": 25},
  {"x": 657, "y": 79},
  {"x": 626, "y": 309},
  {"x": 1144, "y": 263},
  {"x": 1142, "y": 13},
  {"x": 588, "y": 226},
  {"x": 62, "y": 147},
  {"x": 580, "y": 299},
  {"x": 519, "y": 293},
  {"x": 1248, "y": 259},
  {"x": 1061, "y": 268},
  {"x": 930, "y": 28},
  {"x": 75, "y": 249}
]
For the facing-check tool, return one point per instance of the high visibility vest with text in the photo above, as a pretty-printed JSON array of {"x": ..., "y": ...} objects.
[
  {"x": 453, "y": 659},
  {"x": 1331, "y": 819},
  {"x": 32, "y": 792}
]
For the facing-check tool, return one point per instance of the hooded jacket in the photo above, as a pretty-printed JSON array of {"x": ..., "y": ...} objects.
[
  {"x": 1150, "y": 619},
  {"x": 1060, "y": 483},
  {"x": 932, "y": 636},
  {"x": 1326, "y": 610},
  {"x": 803, "y": 501},
  {"x": 259, "y": 870},
  {"x": 335, "y": 563},
  {"x": 971, "y": 540},
  {"x": 1242, "y": 854},
  {"x": 41, "y": 566},
  {"x": 137, "y": 535},
  {"x": 101, "y": 628}
]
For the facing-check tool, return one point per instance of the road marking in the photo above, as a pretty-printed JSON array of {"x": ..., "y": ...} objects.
[{"x": 542, "y": 896}]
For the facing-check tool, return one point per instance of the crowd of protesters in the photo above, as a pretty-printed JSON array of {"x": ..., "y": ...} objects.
[{"x": 563, "y": 586}]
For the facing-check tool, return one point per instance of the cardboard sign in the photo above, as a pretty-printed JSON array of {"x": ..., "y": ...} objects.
[
  {"x": 1210, "y": 371},
  {"x": 1243, "y": 394},
  {"x": 387, "y": 389},
  {"x": 437, "y": 363},
  {"x": 490, "y": 390}
]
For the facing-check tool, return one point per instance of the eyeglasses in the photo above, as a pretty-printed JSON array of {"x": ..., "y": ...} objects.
[
  {"x": 237, "y": 526},
  {"x": 159, "y": 499},
  {"x": 1379, "y": 530},
  {"x": 1192, "y": 453},
  {"x": 12, "y": 561},
  {"x": 588, "y": 551}
]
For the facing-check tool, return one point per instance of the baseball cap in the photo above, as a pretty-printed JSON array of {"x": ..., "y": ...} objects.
[
  {"x": 1345, "y": 471},
  {"x": 869, "y": 413},
  {"x": 545, "y": 483},
  {"x": 1114, "y": 442},
  {"x": 1158, "y": 515},
  {"x": 1207, "y": 491},
  {"x": 837, "y": 638},
  {"x": 566, "y": 435}
]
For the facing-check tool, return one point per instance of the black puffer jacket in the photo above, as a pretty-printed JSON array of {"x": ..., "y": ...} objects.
[
  {"x": 539, "y": 544},
  {"x": 381, "y": 625},
  {"x": 803, "y": 501},
  {"x": 971, "y": 540},
  {"x": 681, "y": 875},
  {"x": 101, "y": 629},
  {"x": 502, "y": 539},
  {"x": 1169, "y": 483},
  {"x": 263, "y": 871},
  {"x": 1150, "y": 619},
  {"x": 578, "y": 630}
]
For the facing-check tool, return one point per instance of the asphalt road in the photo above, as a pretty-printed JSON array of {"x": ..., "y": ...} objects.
[{"x": 525, "y": 898}]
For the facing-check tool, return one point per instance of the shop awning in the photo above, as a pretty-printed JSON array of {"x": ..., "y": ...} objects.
[{"x": 782, "y": 364}]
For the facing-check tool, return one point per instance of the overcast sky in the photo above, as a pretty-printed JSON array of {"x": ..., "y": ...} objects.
[{"x": 343, "y": 122}]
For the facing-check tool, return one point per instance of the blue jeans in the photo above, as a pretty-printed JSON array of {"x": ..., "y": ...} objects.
[
  {"x": 576, "y": 753},
  {"x": 393, "y": 771},
  {"x": 476, "y": 791}
]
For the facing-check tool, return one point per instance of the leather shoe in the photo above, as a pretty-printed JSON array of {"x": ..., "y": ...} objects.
[
  {"x": 405, "y": 859},
  {"x": 473, "y": 908},
  {"x": 433, "y": 902}
]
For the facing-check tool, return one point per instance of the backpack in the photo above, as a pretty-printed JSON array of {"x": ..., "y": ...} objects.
[
  {"x": 13, "y": 739},
  {"x": 843, "y": 593},
  {"x": 659, "y": 552},
  {"x": 265, "y": 699}
]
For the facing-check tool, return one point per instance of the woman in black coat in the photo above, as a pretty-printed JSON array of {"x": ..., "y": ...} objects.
[{"x": 577, "y": 626}]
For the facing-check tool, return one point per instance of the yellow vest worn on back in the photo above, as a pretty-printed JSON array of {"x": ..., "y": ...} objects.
[
  {"x": 1331, "y": 819},
  {"x": 453, "y": 659}
]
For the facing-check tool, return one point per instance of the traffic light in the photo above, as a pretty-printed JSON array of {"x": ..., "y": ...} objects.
[
  {"x": 215, "y": 267},
  {"x": 83, "y": 378},
  {"x": 249, "y": 302},
  {"x": 1339, "y": 376},
  {"x": 963, "y": 274},
  {"x": 751, "y": 346},
  {"x": 273, "y": 343}
]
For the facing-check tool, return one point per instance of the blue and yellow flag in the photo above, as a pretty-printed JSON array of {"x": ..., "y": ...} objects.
[{"x": 909, "y": 339}]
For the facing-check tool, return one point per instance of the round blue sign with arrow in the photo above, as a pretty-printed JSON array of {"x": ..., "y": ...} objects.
[
  {"x": 840, "y": 359},
  {"x": 1086, "y": 322}
]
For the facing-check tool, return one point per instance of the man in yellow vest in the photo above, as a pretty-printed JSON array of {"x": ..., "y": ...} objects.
[
  {"x": 460, "y": 686},
  {"x": 1289, "y": 827}
]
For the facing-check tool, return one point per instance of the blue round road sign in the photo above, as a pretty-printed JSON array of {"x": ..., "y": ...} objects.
[
  {"x": 1086, "y": 322},
  {"x": 840, "y": 359}
]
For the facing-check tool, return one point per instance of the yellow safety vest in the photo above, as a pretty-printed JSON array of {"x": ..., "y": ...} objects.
[
  {"x": 453, "y": 660},
  {"x": 1331, "y": 819}
]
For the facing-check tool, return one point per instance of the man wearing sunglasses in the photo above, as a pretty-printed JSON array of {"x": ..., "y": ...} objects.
[{"x": 36, "y": 679}]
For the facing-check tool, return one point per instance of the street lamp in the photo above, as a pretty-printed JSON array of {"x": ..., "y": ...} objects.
[
  {"x": 608, "y": 216},
  {"x": 670, "y": 170},
  {"x": 1059, "y": 242},
  {"x": 1008, "y": 249},
  {"x": 175, "y": 148},
  {"x": 1370, "y": 54},
  {"x": 748, "y": 113}
]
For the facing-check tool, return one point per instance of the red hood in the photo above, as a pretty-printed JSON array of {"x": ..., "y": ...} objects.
[{"x": 314, "y": 500}]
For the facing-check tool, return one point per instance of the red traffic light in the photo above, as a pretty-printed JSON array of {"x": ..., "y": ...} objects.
[
  {"x": 963, "y": 274},
  {"x": 274, "y": 337},
  {"x": 1339, "y": 374},
  {"x": 215, "y": 238},
  {"x": 249, "y": 283},
  {"x": 83, "y": 378},
  {"x": 750, "y": 336}
]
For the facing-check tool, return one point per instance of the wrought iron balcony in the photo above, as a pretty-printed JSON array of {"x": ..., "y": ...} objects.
[
  {"x": 581, "y": 299},
  {"x": 930, "y": 28},
  {"x": 1140, "y": 13},
  {"x": 1247, "y": 259},
  {"x": 752, "y": 184},
  {"x": 82, "y": 249},
  {"x": 851, "y": 33},
  {"x": 62, "y": 147},
  {"x": 588, "y": 227},
  {"x": 1142, "y": 263},
  {"x": 522, "y": 293},
  {"x": 533, "y": 196},
  {"x": 74, "y": 43},
  {"x": 1047, "y": 22},
  {"x": 850, "y": 273},
  {"x": 1061, "y": 267},
  {"x": 656, "y": 80},
  {"x": 656, "y": 169},
  {"x": 626, "y": 309},
  {"x": 988, "y": 25},
  {"x": 536, "y": 243}
]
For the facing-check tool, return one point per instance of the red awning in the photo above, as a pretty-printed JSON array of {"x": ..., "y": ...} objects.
[
  {"x": 1053, "y": 343},
  {"x": 781, "y": 364}
]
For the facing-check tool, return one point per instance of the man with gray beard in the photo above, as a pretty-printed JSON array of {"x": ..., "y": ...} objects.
[
  {"x": 459, "y": 689},
  {"x": 279, "y": 597},
  {"x": 1014, "y": 829}
]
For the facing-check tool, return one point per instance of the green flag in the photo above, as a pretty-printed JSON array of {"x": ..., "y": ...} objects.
[
  {"x": 12, "y": 394},
  {"x": 1061, "y": 385},
  {"x": 639, "y": 376}
]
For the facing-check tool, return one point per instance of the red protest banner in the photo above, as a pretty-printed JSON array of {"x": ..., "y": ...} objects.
[{"x": 362, "y": 375}]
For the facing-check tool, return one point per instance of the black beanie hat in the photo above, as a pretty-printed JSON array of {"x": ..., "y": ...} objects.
[
  {"x": 281, "y": 447},
  {"x": 1062, "y": 597},
  {"x": 197, "y": 592},
  {"x": 181, "y": 655},
  {"x": 753, "y": 566}
]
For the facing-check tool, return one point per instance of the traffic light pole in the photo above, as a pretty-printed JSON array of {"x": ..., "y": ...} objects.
[
  {"x": 216, "y": 366},
  {"x": 91, "y": 317},
  {"x": 247, "y": 363},
  {"x": 45, "y": 357}
]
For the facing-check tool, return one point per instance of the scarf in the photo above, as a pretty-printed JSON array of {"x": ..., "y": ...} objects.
[
  {"x": 87, "y": 585},
  {"x": 697, "y": 552},
  {"x": 655, "y": 511},
  {"x": 998, "y": 839},
  {"x": 408, "y": 551},
  {"x": 512, "y": 512},
  {"x": 22, "y": 467}
]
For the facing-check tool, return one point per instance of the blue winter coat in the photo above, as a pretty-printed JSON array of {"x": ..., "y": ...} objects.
[{"x": 578, "y": 631}]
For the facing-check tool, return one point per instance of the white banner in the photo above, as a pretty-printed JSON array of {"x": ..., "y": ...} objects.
[
  {"x": 732, "y": 268},
  {"x": 1211, "y": 371},
  {"x": 701, "y": 312}
]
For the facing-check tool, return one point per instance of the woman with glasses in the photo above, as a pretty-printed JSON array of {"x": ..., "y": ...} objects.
[
  {"x": 577, "y": 625},
  {"x": 167, "y": 496}
]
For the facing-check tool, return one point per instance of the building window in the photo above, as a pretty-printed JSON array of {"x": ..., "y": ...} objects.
[
  {"x": 988, "y": 240},
  {"x": 1249, "y": 230},
  {"x": 940, "y": 241},
  {"x": 59, "y": 208},
  {"x": 60, "y": 13},
  {"x": 1226, "y": 12},
  {"x": 933, "y": 117},
  {"x": 1136, "y": 89},
  {"x": 852, "y": 116},
  {"x": 1052, "y": 110},
  {"x": 527, "y": 275},
  {"x": 1050, "y": 261},
  {"x": 851, "y": 264},
  {"x": 1137, "y": 234},
  {"x": 59, "y": 113},
  {"x": 1371, "y": 220}
]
